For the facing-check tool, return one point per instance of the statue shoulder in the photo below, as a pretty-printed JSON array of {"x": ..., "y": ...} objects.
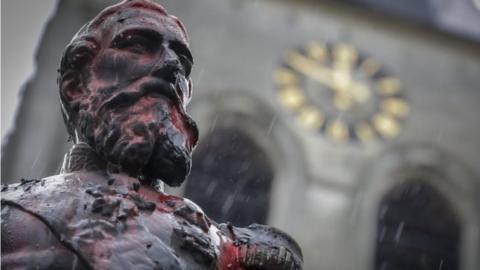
[
  {"x": 39, "y": 189},
  {"x": 28, "y": 243}
]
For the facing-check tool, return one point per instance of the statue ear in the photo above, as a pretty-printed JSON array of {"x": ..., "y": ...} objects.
[
  {"x": 76, "y": 57},
  {"x": 71, "y": 90}
]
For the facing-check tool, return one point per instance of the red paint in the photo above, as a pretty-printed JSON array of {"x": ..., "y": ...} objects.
[
  {"x": 179, "y": 122},
  {"x": 163, "y": 200},
  {"x": 229, "y": 258}
]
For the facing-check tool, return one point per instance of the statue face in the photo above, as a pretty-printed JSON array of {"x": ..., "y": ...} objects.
[{"x": 132, "y": 107}]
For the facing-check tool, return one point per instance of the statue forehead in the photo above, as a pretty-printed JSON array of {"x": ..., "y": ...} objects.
[{"x": 131, "y": 18}]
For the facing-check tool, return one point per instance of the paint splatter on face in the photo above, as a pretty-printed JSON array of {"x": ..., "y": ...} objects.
[{"x": 130, "y": 100}]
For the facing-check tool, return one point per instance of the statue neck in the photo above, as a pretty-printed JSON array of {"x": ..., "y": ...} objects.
[{"x": 81, "y": 157}]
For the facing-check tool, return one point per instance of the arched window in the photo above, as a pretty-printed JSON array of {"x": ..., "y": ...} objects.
[
  {"x": 417, "y": 229},
  {"x": 231, "y": 178}
]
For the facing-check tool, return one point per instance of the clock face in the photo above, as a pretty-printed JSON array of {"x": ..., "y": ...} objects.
[{"x": 338, "y": 92}]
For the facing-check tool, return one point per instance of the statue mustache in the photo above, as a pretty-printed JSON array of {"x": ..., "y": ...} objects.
[{"x": 126, "y": 98}]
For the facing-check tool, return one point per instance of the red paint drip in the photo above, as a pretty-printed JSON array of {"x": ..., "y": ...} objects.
[
  {"x": 178, "y": 121},
  {"x": 229, "y": 258},
  {"x": 164, "y": 198},
  {"x": 166, "y": 203}
]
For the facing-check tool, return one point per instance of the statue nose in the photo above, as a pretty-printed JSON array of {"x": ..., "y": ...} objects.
[
  {"x": 170, "y": 59},
  {"x": 167, "y": 67},
  {"x": 165, "y": 72}
]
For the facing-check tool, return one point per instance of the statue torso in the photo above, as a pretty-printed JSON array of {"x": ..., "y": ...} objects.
[{"x": 112, "y": 222}]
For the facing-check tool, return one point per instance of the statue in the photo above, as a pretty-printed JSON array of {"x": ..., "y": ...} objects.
[{"x": 124, "y": 87}]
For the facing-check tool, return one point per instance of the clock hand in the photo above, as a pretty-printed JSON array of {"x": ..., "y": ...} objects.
[
  {"x": 338, "y": 80},
  {"x": 310, "y": 68}
]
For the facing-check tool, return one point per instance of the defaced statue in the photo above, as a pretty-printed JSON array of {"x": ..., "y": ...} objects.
[{"x": 124, "y": 83}]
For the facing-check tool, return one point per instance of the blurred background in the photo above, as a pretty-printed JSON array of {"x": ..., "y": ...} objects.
[{"x": 353, "y": 125}]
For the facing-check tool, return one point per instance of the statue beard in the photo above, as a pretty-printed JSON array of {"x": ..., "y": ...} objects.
[{"x": 143, "y": 139}]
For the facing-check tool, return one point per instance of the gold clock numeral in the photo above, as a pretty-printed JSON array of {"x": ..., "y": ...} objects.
[
  {"x": 337, "y": 131},
  {"x": 388, "y": 86},
  {"x": 311, "y": 118},
  {"x": 291, "y": 97},
  {"x": 298, "y": 61},
  {"x": 364, "y": 132},
  {"x": 317, "y": 51},
  {"x": 284, "y": 76},
  {"x": 344, "y": 56},
  {"x": 386, "y": 125},
  {"x": 395, "y": 106},
  {"x": 370, "y": 66}
]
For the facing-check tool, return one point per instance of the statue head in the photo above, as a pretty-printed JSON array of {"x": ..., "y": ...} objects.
[{"x": 125, "y": 83}]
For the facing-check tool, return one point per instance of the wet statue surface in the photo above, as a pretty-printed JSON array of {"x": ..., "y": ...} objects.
[{"x": 124, "y": 87}]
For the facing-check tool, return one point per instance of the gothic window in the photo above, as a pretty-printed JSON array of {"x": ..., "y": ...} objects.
[
  {"x": 417, "y": 229},
  {"x": 231, "y": 178}
]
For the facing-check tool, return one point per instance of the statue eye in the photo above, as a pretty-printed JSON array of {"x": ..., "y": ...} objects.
[
  {"x": 138, "y": 44},
  {"x": 81, "y": 53}
]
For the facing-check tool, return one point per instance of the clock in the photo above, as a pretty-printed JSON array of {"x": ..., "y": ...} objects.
[{"x": 332, "y": 89}]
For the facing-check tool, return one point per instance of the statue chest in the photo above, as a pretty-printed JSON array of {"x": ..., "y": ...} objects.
[{"x": 116, "y": 227}]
